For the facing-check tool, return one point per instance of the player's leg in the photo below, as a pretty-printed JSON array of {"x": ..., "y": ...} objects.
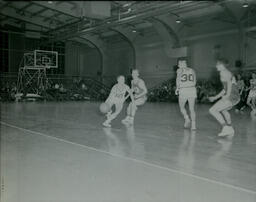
[
  {"x": 118, "y": 109},
  {"x": 216, "y": 111},
  {"x": 182, "y": 103},
  {"x": 134, "y": 108},
  {"x": 229, "y": 129},
  {"x": 131, "y": 110},
  {"x": 129, "y": 114},
  {"x": 191, "y": 102}
]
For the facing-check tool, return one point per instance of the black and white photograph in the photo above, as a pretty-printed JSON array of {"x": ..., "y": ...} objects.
[{"x": 128, "y": 101}]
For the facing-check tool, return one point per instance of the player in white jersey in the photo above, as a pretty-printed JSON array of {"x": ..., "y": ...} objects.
[
  {"x": 229, "y": 97},
  {"x": 117, "y": 97},
  {"x": 251, "y": 100},
  {"x": 186, "y": 89},
  {"x": 139, "y": 90}
]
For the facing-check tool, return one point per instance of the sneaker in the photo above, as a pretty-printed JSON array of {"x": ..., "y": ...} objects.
[
  {"x": 227, "y": 131},
  {"x": 106, "y": 124},
  {"x": 193, "y": 125},
  {"x": 126, "y": 120},
  {"x": 186, "y": 124},
  {"x": 253, "y": 112},
  {"x": 223, "y": 131},
  {"x": 131, "y": 121}
]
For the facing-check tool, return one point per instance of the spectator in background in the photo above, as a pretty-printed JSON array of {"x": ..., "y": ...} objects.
[
  {"x": 56, "y": 86},
  {"x": 241, "y": 87},
  {"x": 251, "y": 100}
]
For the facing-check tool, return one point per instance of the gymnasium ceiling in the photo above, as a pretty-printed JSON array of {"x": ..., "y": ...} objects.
[{"x": 64, "y": 20}]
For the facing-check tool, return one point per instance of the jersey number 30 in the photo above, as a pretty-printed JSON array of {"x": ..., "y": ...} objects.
[{"x": 187, "y": 77}]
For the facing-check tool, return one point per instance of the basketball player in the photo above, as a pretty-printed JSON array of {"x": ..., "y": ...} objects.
[
  {"x": 229, "y": 97},
  {"x": 117, "y": 98},
  {"x": 186, "y": 89},
  {"x": 139, "y": 90},
  {"x": 251, "y": 100}
]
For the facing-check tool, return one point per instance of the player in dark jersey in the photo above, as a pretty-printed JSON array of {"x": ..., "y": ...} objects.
[
  {"x": 229, "y": 97},
  {"x": 139, "y": 90}
]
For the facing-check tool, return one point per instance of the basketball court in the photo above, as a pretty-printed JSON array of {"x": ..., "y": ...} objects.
[
  {"x": 64, "y": 63},
  {"x": 60, "y": 152}
]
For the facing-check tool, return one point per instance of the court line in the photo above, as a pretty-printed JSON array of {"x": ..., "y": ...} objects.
[{"x": 132, "y": 159}]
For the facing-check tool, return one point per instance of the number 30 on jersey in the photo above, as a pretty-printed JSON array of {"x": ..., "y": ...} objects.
[{"x": 187, "y": 77}]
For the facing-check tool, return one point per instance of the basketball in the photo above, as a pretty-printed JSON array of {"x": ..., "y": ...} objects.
[{"x": 104, "y": 108}]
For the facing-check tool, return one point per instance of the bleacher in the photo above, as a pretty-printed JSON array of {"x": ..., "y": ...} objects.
[{"x": 58, "y": 88}]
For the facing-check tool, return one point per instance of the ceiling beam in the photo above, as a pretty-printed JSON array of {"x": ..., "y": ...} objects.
[
  {"x": 86, "y": 28},
  {"x": 24, "y": 7},
  {"x": 59, "y": 9},
  {"x": 38, "y": 12},
  {"x": 5, "y": 5},
  {"x": 53, "y": 17},
  {"x": 12, "y": 14}
]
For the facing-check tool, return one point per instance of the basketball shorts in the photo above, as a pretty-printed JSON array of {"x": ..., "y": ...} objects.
[
  {"x": 186, "y": 93},
  {"x": 252, "y": 93},
  {"x": 140, "y": 101},
  {"x": 231, "y": 102},
  {"x": 115, "y": 100}
]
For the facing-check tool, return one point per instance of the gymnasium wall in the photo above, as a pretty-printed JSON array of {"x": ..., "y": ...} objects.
[
  {"x": 119, "y": 58},
  {"x": 250, "y": 53},
  {"x": 16, "y": 48},
  {"x": 203, "y": 53},
  {"x": 152, "y": 61}
]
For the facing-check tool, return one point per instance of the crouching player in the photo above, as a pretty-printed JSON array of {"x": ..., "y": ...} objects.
[
  {"x": 229, "y": 97},
  {"x": 117, "y": 97}
]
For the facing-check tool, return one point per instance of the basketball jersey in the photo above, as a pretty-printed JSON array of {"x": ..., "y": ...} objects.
[
  {"x": 136, "y": 87},
  {"x": 119, "y": 91},
  {"x": 253, "y": 84},
  {"x": 187, "y": 78}
]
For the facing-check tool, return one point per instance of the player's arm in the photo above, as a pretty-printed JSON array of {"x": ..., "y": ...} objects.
[
  {"x": 144, "y": 89},
  {"x": 130, "y": 94},
  {"x": 223, "y": 93},
  {"x": 194, "y": 74},
  {"x": 229, "y": 87},
  {"x": 178, "y": 79},
  {"x": 111, "y": 94}
]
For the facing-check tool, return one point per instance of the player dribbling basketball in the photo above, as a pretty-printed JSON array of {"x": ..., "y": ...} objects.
[
  {"x": 229, "y": 97},
  {"x": 117, "y": 97},
  {"x": 139, "y": 90},
  {"x": 186, "y": 89}
]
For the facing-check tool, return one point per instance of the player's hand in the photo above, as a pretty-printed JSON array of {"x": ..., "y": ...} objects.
[
  {"x": 177, "y": 91},
  {"x": 136, "y": 96},
  {"x": 211, "y": 99}
]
